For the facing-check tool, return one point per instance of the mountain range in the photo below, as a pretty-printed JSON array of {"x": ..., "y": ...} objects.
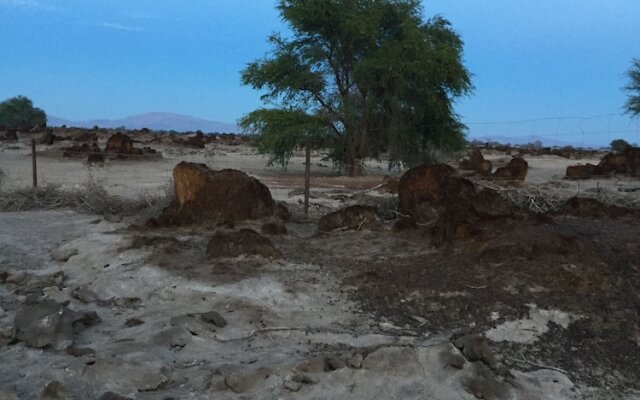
[{"x": 157, "y": 121}]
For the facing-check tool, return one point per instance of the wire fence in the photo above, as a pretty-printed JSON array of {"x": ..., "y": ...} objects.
[{"x": 149, "y": 173}]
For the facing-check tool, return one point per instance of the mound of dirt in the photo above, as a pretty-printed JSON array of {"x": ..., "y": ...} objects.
[
  {"x": 205, "y": 195},
  {"x": 196, "y": 141},
  {"x": 516, "y": 169},
  {"x": 590, "y": 207},
  {"x": 121, "y": 144},
  {"x": 437, "y": 193},
  {"x": 626, "y": 163},
  {"x": 242, "y": 242},
  {"x": 426, "y": 191},
  {"x": 355, "y": 218},
  {"x": 477, "y": 163}
]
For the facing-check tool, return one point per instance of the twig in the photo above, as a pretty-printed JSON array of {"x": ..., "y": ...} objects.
[
  {"x": 542, "y": 365},
  {"x": 256, "y": 331}
]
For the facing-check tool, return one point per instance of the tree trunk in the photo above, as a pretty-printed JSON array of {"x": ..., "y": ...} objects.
[{"x": 355, "y": 168}]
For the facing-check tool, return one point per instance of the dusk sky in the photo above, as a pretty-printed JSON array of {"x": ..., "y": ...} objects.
[{"x": 86, "y": 59}]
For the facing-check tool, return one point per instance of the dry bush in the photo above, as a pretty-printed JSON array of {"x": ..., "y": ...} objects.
[{"x": 92, "y": 198}]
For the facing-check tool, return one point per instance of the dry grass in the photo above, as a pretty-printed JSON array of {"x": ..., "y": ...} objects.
[
  {"x": 546, "y": 198},
  {"x": 91, "y": 198}
]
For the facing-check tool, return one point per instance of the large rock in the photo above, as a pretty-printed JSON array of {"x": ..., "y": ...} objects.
[
  {"x": 516, "y": 170},
  {"x": 477, "y": 163},
  {"x": 437, "y": 196},
  {"x": 356, "y": 218},
  {"x": 228, "y": 195},
  {"x": 121, "y": 144},
  {"x": 428, "y": 190},
  {"x": 582, "y": 171},
  {"x": 242, "y": 242}
]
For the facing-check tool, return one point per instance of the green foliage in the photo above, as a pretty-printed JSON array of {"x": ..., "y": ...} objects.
[
  {"x": 19, "y": 113},
  {"x": 619, "y": 145},
  {"x": 632, "y": 106},
  {"x": 280, "y": 131},
  {"x": 372, "y": 72}
]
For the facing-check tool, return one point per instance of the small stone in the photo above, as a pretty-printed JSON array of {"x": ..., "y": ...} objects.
[
  {"x": 63, "y": 253},
  {"x": 114, "y": 396},
  {"x": 214, "y": 318},
  {"x": 333, "y": 364},
  {"x": 303, "y": 378},
  {"x": 476, "y": 348},
  {"x": 7, "y": 334},
  {"x": 54, "y": 390},
  {"x": 84, "y": 295},
  {"x": 292, "y": 386},
  {"x": 456, "y": 361},
  {"x": 131, "y": 322},
  {"x": 312, "y": 365},
  {"x": 18, "y": 278},
  {"x": 356, "y": 361},
  {"x": 80, "y": 351},
  {"x": 217, "y": 383},
  {"x": 244, "y": 382}
]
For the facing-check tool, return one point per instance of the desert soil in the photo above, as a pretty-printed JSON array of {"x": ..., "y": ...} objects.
[{"x": 344, "y": 315}]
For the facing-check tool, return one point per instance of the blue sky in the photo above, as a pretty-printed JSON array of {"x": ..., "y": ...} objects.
[{"x": 85, "y": 59}]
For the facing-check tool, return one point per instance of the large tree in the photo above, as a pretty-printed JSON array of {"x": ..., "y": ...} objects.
[
  {"x": 379, "y": 78},
  {"x": 632, "y": 105},
  {"x": 19, "y": 113}
]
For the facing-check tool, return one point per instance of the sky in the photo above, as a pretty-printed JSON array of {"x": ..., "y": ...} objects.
[{"x": 536, "y": 64}]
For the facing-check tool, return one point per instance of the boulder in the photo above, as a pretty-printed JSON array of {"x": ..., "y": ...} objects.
[
  {"x": 428, "y": 190},
  {"x": 356, "y": 218},
  {"x": 205, "y": 195},
  {"x": 477, "y": 163},
  {"x": 121, "y": 144},
  {"x": 516, "y": 170},
  {"x": 242, "y": 242},
  {"x": 582, "y": 171}
]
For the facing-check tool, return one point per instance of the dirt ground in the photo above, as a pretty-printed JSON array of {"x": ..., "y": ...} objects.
[{"x": 353, "y": 315}]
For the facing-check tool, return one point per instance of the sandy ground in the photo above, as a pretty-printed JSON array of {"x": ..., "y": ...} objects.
[{"x": 345, "y": 316}]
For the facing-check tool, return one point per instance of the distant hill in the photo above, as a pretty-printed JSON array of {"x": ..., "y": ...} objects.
[{"x": 158, "y": 121}]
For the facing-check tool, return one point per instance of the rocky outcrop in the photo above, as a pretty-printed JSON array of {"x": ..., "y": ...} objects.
[
  {"x": 205, "y": 195},
  {"x": 516, "y": 170}
]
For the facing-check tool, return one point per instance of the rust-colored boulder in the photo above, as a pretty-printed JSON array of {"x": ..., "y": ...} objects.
[
  {"x": 516, "y": 169},
  {"x": 242, "y": 242},
  {"x": 355, "y": 218},
  {"x": 582, "y": 171},
  {"x": 613, "y": 162},
  {"x": 477, "y": 163},
  {"x": 121, "y": 144},
  {"x": 205, "y": 195},
  {"x": 427, "y": 190}
]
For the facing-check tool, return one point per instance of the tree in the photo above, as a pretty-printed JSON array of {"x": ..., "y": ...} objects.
[
  {"x": 632, "y": 106},
  {"x": 619, "y": 145},
  {"x": 375, "y": 76},
  {"x": 20, "y": 114}
]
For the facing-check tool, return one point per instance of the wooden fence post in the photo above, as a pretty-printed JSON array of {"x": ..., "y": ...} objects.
[
  {"x": 307, "y": 176},
  {"x": 34, "y": 164}
]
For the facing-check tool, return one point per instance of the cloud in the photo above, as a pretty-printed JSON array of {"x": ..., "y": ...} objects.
[{"x": 120, "y": 27}]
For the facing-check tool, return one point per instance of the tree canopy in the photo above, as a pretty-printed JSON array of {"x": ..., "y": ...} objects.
[
  {"x": 370, "y": 76},
  {"x": 632, "y": 105},
  {"x": 19, "y": 113}
]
